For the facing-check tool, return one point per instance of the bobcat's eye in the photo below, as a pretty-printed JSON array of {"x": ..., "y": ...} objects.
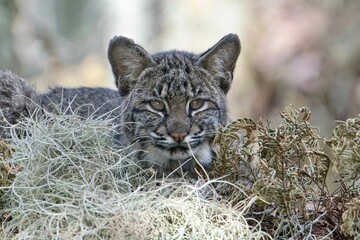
[
  {"x": 157, "y": 105},
  {"x": 196, "y": 104}
]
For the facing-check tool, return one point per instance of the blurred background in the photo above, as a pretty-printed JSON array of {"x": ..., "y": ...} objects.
[{"x": 301, "y": 52}]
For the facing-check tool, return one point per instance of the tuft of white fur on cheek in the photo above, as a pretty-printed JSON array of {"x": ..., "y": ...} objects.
[{"x": 204, "y": 154}]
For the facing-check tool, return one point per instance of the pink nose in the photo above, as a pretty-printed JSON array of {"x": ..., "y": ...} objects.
[{"x": 178, "y": 137}]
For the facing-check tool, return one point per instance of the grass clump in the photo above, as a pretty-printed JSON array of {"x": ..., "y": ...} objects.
[
  {"x": 67, "y": 179},
  {"x": 345, "y": 145},
  {"x": 287, "y": 167},
  {"x": 70, "y": 181}
]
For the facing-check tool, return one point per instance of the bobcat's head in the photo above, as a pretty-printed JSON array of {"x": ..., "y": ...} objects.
[{"x": 175, "y": 100}]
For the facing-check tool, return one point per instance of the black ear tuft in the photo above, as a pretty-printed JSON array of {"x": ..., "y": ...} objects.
[
  {"x": 221, "y": 58},
  {"x": 127, "y": 60}
]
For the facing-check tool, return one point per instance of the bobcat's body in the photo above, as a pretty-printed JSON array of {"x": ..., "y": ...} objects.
[
  {"x": 107, "y": 102},
  {"x": 169, "y": 105}
]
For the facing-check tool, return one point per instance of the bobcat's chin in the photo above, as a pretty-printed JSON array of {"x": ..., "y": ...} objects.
[{"x": 164, "y": 156}]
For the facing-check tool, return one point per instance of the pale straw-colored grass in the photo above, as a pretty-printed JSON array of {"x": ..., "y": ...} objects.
[{"x": 75, "y": 183}]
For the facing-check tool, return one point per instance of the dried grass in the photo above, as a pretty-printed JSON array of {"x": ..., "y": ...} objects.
[
  {"x": 66, "y": 179},
  {"x": 70, "y": 181}
]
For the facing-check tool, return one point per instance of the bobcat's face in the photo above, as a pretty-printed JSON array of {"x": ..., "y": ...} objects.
[
  {"x": 176, "y": 101},
  {"x": 177, "y": 108}
]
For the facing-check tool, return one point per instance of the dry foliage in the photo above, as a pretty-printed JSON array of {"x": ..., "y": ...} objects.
[
  {"x": 73, "y": 183},
  {"x": 65, "y": 179},
  {"x": 287, "y": 166}
]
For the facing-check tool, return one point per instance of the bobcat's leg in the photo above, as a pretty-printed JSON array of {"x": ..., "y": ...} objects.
[{"x": 17, "y": 99}]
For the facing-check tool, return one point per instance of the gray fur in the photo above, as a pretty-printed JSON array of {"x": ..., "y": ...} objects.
[
  {"x": 173, "y": 79},
  {"x": 84, "y": 101},
  {"x": 17, "y": 98}
]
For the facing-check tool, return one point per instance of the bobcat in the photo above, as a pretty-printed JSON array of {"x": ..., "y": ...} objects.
[{"x": 169, "y": 104}]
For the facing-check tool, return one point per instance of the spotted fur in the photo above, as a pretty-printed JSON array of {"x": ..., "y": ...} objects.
[
  {"x": 177, "y": 133},
  {"x": 169, "y": 104}
]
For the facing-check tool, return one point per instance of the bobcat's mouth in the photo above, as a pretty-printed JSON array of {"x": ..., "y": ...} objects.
[
  {"x": 179, "y": 153},
  {"x": 176, "y": 152},
  {"x": 165, "y": 153},
  {"x": 178, "y": 149}
]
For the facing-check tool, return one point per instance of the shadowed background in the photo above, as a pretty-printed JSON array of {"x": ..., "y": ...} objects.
[{"x": 298, "y": 52}]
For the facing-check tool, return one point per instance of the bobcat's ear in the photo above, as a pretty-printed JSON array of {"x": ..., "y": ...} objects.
[
  {"x": 127, "y": 61},
  {"x": 220, "y": 60}
]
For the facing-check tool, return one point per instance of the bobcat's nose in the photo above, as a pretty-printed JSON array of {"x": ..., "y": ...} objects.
[{"x": 178, "y": 137}]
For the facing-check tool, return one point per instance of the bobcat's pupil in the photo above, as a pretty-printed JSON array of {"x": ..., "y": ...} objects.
[
  {"x": 157, "y": 105},
  {"x": 196, "y": 104}
]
